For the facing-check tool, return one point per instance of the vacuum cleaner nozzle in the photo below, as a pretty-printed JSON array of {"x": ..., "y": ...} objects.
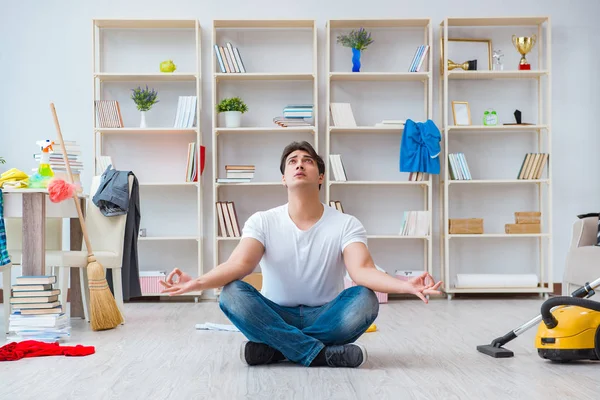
[{"x": 496, "y": 352}]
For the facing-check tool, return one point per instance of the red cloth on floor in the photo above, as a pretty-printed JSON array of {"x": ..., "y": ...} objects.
[{"x": 33, "y": 348}]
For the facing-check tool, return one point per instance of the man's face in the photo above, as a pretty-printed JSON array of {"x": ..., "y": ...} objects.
[{"x": 301, "y": 169}]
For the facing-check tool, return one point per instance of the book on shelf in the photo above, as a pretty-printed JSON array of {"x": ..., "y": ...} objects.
[
  {"x": 392, "y": 123},
  {"x": 193, "y": 161},
  {"x": 291, "y": 122},
  {"x": 341, "y": 115},
  {"x": 459, "y": 168},
  {"x": 415, "y": 223},
  {"x": 533, "y": 166},
  {"x": 296, "y": 115},
  {"x": 337, "y": 205},
  {"x": 238, "y": 174},
  {"x": 229, "y": 59},
  {"x": 228, "y": 221},
  {"x": 240, "y": 171},
  {"x": 337, "y": 167},
  {"x": 102, "y": 163},
  {"x": 418, "y": 176},
  {"x": 37, "y": 313},
  {"x": 108, "y": 113},
  {"x": 186, "y": 112},
  {"x": 419, "y": 57}
]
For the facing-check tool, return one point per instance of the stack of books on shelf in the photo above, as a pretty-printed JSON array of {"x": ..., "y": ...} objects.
[
  {"x": 108, "y": 113},
  {"x": 337, "y": 167},
  {"x": 229, "y": 59},
  {"x": 186, "y": 112},
  {"x": 36, "y": 311},
  {"x": 533, "y": 166},
  {"x": 392, "y": 123},
  {"x": 58, "y": 163},
  {"x": 418, "y": 176},
  {"x": 459, "y": 169},
  {"x": 337, "y": 205},
  {"x": 415, "y": 223},
  {"x": 193, "y": 163},
  {"x": 341, "y": 115},
  {"x": 417, "y": 62},
  {"x": 228, "y": 221},
  {"x": 296, "y": 115},
  {"x": 238, "y": 174}
]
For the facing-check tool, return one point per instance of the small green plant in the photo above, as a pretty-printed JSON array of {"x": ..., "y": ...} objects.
[
  {"x": 144, "y": 99},
  {"x": 2, "y": 160},
  {"x": 359, "y": 40},
  {"x": 232, "y": 104}
]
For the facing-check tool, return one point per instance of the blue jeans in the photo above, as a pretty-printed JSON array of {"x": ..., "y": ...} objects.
[{"x": 299, "y": 333}]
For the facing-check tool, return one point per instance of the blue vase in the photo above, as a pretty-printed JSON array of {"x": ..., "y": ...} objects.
[{"x": 355, "y": 60}]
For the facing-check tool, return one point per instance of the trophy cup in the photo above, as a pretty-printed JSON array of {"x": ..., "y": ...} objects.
[
  {"x": 524, "y": 44},
  {"x": 467, "y": 65}
]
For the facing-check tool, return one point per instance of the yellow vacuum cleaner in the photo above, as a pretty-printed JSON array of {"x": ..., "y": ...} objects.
[{"x": 569, "y": 329}]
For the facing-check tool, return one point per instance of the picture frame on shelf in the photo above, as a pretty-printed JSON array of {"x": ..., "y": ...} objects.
[
  {"x": 461, "y": 113},
  {"x": 461, "y": 50}
]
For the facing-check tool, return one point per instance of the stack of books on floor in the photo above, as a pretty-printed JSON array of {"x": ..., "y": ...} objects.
[
  {"x": 296, "y": 115},
  {"x": 238, "y": 174},
  {"x": 57, "y": 160},
  {"x": 37, "y": 313},
  {"x": 415, "y": 223}
]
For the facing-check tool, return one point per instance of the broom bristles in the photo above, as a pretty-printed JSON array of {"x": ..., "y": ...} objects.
[{"x": 104, "y": 312}]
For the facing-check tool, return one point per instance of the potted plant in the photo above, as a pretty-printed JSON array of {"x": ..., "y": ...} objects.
[
  {"x": 232, "y": 108},
  {"x": 358, "y": 41},
  {"x": 144, "y": 99}
]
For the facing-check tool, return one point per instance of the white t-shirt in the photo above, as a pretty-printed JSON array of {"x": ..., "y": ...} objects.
[{"x": 303, "y": 267}]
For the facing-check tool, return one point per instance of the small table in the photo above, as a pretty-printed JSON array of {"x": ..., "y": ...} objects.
[{"x": 35, "y": 206}]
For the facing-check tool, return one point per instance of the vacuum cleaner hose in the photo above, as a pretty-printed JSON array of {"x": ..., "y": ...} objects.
[{"x": 551, "y": 321}]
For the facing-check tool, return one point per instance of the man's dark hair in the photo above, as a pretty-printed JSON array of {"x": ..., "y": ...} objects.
[{"x": 304, "y": 146}]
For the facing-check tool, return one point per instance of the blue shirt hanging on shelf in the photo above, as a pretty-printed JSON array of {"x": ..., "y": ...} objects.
[{"x": 420, "y": 147}]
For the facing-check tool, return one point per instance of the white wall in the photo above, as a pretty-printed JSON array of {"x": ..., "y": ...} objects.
[{"x": 45, "y": 55}]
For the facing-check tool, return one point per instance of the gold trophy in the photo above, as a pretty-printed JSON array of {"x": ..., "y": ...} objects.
[
  {"x": 467, "y": 65},
  {"x": 524, "y": 44}
]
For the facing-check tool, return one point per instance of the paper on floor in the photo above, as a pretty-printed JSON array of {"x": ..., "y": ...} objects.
[{"x": 217, "y": 327}]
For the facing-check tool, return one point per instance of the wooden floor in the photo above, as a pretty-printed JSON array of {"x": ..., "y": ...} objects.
[{"x": 420, "y": 352}]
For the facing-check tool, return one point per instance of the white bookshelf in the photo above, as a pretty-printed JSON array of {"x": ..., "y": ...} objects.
[
  {"x": 495, "y": 193},
  {"x": 376, "y": 192},
  {"x": 280, "y": 58},
  {"x": 127, "y": 54}
]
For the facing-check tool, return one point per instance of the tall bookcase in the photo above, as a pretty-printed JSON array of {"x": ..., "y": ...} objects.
[
  {"x": 126, "y": 54},
  {"x": 375, "y": 191},
  {"x": 280, "y": 60},
  {"x": 495, "y": 155}
]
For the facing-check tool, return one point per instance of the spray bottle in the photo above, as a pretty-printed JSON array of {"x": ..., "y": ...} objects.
[{"x": 44, "y": 173}]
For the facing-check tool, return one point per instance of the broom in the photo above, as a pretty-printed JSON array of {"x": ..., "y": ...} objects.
[{"x": 104, "y": 313}]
